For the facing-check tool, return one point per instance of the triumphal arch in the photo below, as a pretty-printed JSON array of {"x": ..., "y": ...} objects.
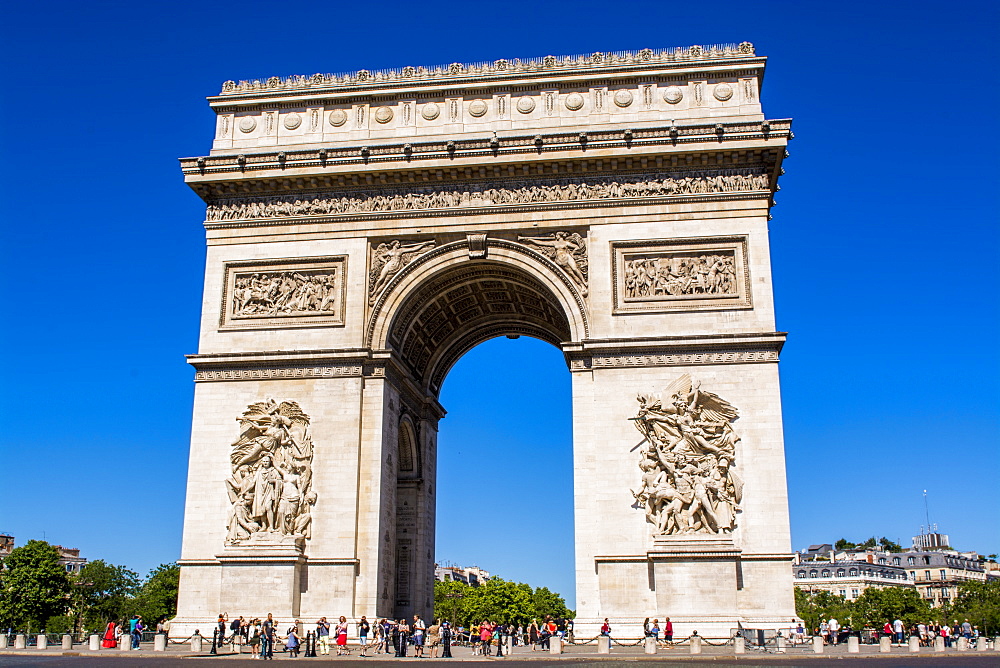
[{"x": 367, "y": 229}]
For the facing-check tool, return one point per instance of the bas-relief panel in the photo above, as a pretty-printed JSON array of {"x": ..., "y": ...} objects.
[
  {"x": 298, "y": 292},
  {"x": 673, "y": 274}
]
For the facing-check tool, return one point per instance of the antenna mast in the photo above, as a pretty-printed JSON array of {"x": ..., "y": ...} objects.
[{"x": 927, "y": 512}]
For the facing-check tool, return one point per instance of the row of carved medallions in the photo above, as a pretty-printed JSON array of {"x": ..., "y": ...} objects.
[
  {"x": 451, "y": 110},
  {"x": 499, "y": 193},
  {"x": 689, "y": 482},
  {"x": 501, "y": 67}
]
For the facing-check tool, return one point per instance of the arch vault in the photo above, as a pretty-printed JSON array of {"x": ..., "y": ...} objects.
[{"x": 365, "y": 231}]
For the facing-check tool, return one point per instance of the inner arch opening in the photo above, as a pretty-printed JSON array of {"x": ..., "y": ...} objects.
[{"x": 460, "y": 307}]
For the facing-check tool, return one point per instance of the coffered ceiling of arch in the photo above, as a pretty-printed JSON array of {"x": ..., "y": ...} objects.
[{"x": 466, "y": 306}]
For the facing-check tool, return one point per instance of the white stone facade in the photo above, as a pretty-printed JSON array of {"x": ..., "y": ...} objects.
[{"x": 353, "y": 257}]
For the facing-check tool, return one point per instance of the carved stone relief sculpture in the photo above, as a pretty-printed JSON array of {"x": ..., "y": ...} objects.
[
  {"x": 491, "y": 194},
  {"x": 270, "y": 488},
  {"x": 678, "y": 274},
  {"x": 284, "y": 292},
  {"x": 569, "y": 251},
  {"x": 689, "y": 480},
  {"x": 388, "y": 259}
]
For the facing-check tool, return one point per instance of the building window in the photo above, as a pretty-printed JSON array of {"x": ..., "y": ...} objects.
[
  {"x": 882, "y": 560},
  {"x": 944, "y": 574},
  {"x": 812, "y": 573},
  {"x": 927, "y": 561},
  {"x": 895, "y": 561},
  {"x": 927, "y": 575},
  {"x": 909, "y": 560},
  {"x": 843, "y": 593},
  {"x": 826, "y": 573},
  {"x": 944, "y": 592},
  {"x": 854, "y": 572},
  {"x": 840, "y": 572},
  {"x": 854, "y": 593},
  {"x": 801, "y": 574}
]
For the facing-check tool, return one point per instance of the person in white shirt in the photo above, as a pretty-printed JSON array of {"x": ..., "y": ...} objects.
[
  {"x": 834, "y": 627},
  {"x": 897, "y": 628}
]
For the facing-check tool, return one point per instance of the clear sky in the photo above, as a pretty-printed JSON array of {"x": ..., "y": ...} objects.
[{"x": 884, "y": 246}]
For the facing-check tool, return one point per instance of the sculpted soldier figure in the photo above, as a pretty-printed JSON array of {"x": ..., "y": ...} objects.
[
  {"x": 564, "y": 251},
  {"x": 389, "y": 259}
]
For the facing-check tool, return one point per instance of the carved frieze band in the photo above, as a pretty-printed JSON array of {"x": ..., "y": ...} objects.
[
  {"x": 688, "y": 274},
  {"x": 278, "y": 373},
  {"x": 492, "y": 194},
  {"x": 688, "y": 358},
  {"x": 297, "y": 292}
]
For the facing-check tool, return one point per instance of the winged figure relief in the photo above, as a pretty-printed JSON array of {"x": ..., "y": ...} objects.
[
  {"x": 689, "y": 481},
  {"x": 568, "y": 251},
  {"x": 270, "y": 488},
  {"x": 388, "y": 259}
]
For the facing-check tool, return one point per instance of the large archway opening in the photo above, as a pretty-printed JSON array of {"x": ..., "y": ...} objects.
[
  {"x": 505, "y": 465},
  {"x": 507, "y": 319}
]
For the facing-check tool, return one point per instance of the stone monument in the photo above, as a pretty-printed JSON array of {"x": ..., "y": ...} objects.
[{"x": 367, "y": 229}]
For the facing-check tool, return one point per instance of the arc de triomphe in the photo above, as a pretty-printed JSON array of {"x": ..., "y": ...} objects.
[{"x": 366, "y": 230}]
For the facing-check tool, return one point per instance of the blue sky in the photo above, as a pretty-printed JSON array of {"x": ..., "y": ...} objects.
[{"x": 884, "y": 243}]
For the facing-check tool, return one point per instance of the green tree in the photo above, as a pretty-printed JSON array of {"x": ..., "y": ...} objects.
[
  {"x": 821, "y": 605},
  {"x": 889, "y": 546},
  {"x": 103, "y": 593},
  {"x": 876, "y": 606},
  {"x": 545, "y": 603},
  {"x": 844, "y": 544},
  {"x": 979, "y": 602},
  {"x": 497, "y": 600},
  {"x": 157, "y": 598},
  {"x": 33, "y": 586}
]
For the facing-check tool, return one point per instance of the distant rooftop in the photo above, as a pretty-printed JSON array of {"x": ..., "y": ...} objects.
[{"x": 497, "y": 68}]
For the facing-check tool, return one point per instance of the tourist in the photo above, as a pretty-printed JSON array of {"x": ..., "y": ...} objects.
[
  {"x": 363, "y": 628},
  {"x": 668, "y": 632},
  {"x": 654, "y": 631},
  {"x": 824, "y": 630},
  {"x": 341, "y": 633},
  {"x": 109, "y": 641},
  {"x": 267, "y": 637},
  {"x": 255, "y": 640},
  {"x": 135, "y": 630},
  {"x": 533, "y": 634},
  {"x": 486, "y": 638},
  {"x": 418, "y": 636},
  {"x": 383, "y": 634},
  {"x": 833, "y": 626},
  {"x": 403, "y": 633},
  {"x": 292, "y": 642},
  {"x": 323, "y": 635},
  {"x": 434, "y": 637},
  {"x": 606, "y": 628},
  {"x": 967, "y": 629},
  {"x": 897, "y": 629}
]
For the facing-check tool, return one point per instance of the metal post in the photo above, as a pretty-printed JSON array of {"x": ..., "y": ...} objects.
[
  {"x": 446, "y": 639},
  {"x": 215, "y": 642},
  {"x": 310, "y": 644}
]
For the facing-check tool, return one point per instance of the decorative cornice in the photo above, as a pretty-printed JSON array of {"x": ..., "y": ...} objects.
[
  {"x": 594, "y": 63},
  {"x": 238, "y": 166}
]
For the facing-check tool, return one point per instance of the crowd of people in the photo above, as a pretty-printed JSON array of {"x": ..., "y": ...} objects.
[
  {"x": 129, "y": 630},
  {"x": 835, "y": 633}
]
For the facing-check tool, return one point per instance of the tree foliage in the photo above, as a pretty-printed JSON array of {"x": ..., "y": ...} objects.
[
  {"x": 157, "y": 599},
  {"x": 979, "y": 602},
  {"x": 873, "y": 608},
  {"x": 103, "y": 592},
  {"x": 496, "y": 600},
  {"x": 33, "y": 586}
]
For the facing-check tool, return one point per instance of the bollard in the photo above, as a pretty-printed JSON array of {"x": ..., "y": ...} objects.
[
  {"x": 20, "y": 641},
  {"x": 982, "y": 644},
  {"x": 604, "y": 644},
  {"x": 650, "y": 645},
  {"x": 95, "y": 643},
  {"x": 996, "y": 644},
  {"x": 508, "y": 646},
  {"x": 782, "y": 644},
  {"x": 853, "y": 645},
  {"x": 125, "y": 643},
  {"x": 818, "y": 644},
  {"x": 914, "y": 643},
  {"x": 696, "y": 644},
  {"x": 739, "y": 645},
  {"x": 42, "y": 642},
  {"x": 938, "y": 644},
  {"x": 160, "y": 642},
  {"x": 67, "y": 641},
  {"x": 963, "y": 643},
  {"x": 555, "y": 645},
  {"x": 196, "y": 642},
  {"x": 3, "y": 641},
  {"x": 884, "y": 645}
]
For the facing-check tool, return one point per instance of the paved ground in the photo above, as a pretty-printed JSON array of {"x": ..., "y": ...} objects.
[{"x": 622, "y": 656}]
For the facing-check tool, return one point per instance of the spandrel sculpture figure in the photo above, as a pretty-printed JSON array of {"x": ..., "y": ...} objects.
[
  {"x": 568, "y": 251},
  {"x": 271, "y": 482},
  {"x": 689, "y": 484},
  {"x": 388, "y": 260}
]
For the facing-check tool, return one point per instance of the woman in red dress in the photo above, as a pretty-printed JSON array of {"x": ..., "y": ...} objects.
[
  {"x": 342, "y": 628},
  {"x": 109, "y": 636}
]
